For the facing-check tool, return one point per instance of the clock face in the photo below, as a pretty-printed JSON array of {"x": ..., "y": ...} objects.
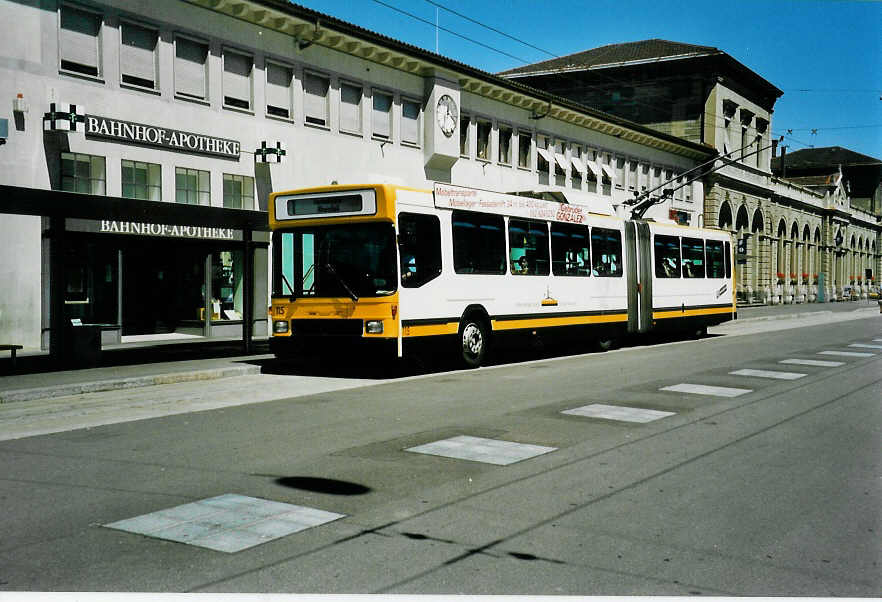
[{"x": 447, "y": 114}]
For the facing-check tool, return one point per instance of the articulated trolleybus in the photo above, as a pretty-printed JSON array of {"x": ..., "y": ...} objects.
[{"x": 394, "y": 267}]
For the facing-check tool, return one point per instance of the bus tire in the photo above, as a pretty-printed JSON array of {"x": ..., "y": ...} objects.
[{"x": 474, "y": 339}]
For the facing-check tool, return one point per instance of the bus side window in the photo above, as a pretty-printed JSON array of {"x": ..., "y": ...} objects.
[
  {"x": 715, "y": 267},
  {"x": 570, "y": 255},
  {"x": 528, "y": 244},
  {"x": 667, "y": 256},
  {"x": 606, "y": 251},
  {"x": 478, "y": 243},
  {"x": 419, "y": 248},
  {"x": 693, "y": 258}
]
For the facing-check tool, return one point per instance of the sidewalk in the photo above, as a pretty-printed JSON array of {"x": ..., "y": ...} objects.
[{"x": 153, "y": 365}]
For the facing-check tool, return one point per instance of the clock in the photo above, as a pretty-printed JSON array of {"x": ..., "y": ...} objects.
[{"x": 447, "y": 114}]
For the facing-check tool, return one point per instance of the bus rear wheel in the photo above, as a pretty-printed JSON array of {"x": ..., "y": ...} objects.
[{"x": 474, "y": 339}]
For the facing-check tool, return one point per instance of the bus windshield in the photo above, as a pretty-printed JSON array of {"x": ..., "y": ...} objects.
[{"x": 348, "y": 260}]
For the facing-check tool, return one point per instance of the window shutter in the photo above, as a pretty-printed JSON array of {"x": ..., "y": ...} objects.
[
  {"x": 190, "y": 67},
  {"x": 237, "y": 76},
  {"x": 278, "y": 87},
  {"x": 138, "y": 52},
  {"x": 79, "y": 37},
  {"x": 350, "y": 108},
  {"x": 315, "y": 92},
  {"x": 410, "y": 122},
  {"x": 382, "y": 115}
]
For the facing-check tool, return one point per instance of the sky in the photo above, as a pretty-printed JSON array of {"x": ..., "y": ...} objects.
[{"x": 826, "y": 55}]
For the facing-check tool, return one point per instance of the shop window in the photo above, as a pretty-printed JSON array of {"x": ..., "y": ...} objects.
[
  {"x": 606, "y": 251},
  {"x": 714, "y": 254},
  {"x": 528, "y": 247},
  {"x": 191, "y": 59},
  {"x": 83, "y": 173},
  {"x": 350, "y": 108},
  {"x": 278, "y": 90},
  {"x": 483, "y": 140},
  {"x": 570, "y": 253},
  {"x": 505, "y": 133},
  {"x": 524, "y": 141},
  {"x": 315, "y": 98},
  {"x": 137, "y": 55},
  {"x": 238, "y": 192},
  {"x": 667, "y": 256},
  {"x": 80, "y": 41},
  {"x": 237, "y": 80},
  {"x": 419, "y": 244},
  {"x": 141, "y": 180},
  {"x": 693, "y": 258},
  {"x": 410, "y": 122},
  {"x": 464, "y": 135},
  {"x": 227, "y": 285},
  {"x": 478, "y": 243},
  {"x": 192, "y": 186},
  {"x": 382, "y": 115}
]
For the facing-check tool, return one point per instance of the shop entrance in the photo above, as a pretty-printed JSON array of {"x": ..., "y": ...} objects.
[{"x": 163, "y": 288}]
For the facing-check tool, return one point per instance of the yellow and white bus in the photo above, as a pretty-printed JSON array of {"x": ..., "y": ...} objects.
[{"x": 392, "y": 267}]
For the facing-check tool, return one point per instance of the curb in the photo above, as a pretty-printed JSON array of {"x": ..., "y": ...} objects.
[
  {"x": 131, "y": 382},
  {"x": 809, "y": 314}
]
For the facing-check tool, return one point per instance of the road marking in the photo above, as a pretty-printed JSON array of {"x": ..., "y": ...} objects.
[
  {"x": 846, "y": 353},
  {"x": 824, "y": 363},
  {"x": 768, "y": 374},
  {"x": 478, "y": 449},
  {"x": 621, "y": 413},
  {"x": 226, "y": 523},
  {"x": 706, "y": 390},
  {"x": 865, "y": 346}
]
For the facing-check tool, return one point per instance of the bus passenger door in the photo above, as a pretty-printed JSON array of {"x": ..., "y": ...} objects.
[{"x": 639, "y": 264}]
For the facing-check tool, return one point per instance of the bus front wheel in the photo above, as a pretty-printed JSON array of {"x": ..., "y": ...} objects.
[{"x": 474, "y": 339}]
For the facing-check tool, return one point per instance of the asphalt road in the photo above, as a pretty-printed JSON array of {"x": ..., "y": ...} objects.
[{"x": 776, "y": 491}]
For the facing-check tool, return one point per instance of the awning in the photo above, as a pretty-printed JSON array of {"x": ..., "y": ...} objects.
[
  {"x": 545, "y": 154},
  {"x": 561, "y": 161},
  {"x": 609, "y": 173},
  {"x": 577, "y": 165},
  {"x": 594, "y": 167}
]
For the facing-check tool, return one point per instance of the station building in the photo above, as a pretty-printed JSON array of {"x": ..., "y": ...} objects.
[{"x": 142, "y": 141}]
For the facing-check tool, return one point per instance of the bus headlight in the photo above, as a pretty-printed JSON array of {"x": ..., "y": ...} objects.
[
  {"x": 373, "y": 327},
  {"x": 280, "y": 326}
]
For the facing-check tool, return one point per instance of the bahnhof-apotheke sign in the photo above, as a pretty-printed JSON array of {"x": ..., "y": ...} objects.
[{"x": 150, "y": 135}]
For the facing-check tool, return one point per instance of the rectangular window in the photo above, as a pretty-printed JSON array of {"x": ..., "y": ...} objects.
[
  {"x": 620, "y": 172},
  {"x": 606, "y": 168},
  {"x": 238, "y": 192},
  {"x": 237, "y": 79},
  {"x": 350, "y": 107},
  {"x": 80, "y": 41},
  {"x": 141, "y": 180},
  {"x": 478, "y": 243},
  {"x": 190, "y": 64},
  {"x": 570, "y": 255},
  {"x": 693, "y": 258},
  {"x": 560, "y": 162},
  {"x": 632, "y": 175},
  {"x": 577, "y": 168},
  {"x": 643, "y": 181},
  {"x": 419, "y": 244},
  {"x": 543, "y": 158},
  {"x": 192, "y": 186},
  {"x": 410, "y": 122},
  {"x": 464, "y": 140},
  {"x": 524, "y": 141},
  {"x": 279, "y": 90},
  {"x": 714, "y": 254},
  {"x": 83, "y": 173},
  {"x": 483, "y": 150},
  {"x": 505, "y": 133},
  {"x": 315, "y": 98},
  {"x": 382, "y": 115},
  {"x": 528, "y": 247},
  {"x": 606, "y": 251},
  {"x": 591, "y": 175},
  {"x": 667, "y": 256},
  {"x": 137, "y": 55}
]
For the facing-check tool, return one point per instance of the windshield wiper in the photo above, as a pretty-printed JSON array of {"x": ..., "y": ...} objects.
[
  {"x": 285, "y": 281},
  {"x": 339, "y": 278}
]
